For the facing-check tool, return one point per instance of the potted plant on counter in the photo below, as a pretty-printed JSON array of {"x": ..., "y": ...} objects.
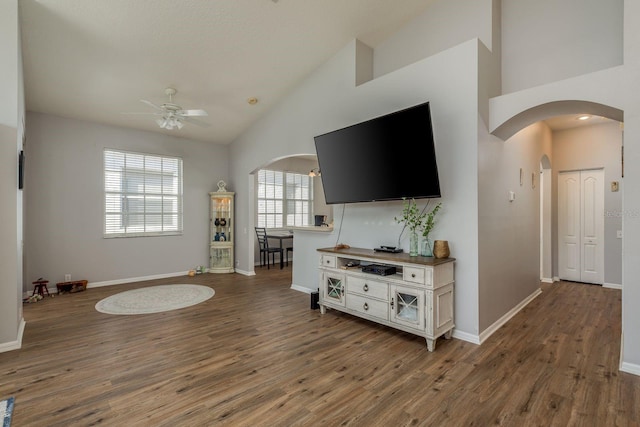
[
  {"x": 413, "y": 219},
  {"x": 429, "y": 223}
]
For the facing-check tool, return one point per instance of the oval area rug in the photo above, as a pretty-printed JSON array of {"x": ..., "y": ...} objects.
[{"x": 155, "y": 299}]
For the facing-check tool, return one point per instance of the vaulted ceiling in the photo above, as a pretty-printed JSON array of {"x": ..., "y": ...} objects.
[{"x": 97, "y": 59}]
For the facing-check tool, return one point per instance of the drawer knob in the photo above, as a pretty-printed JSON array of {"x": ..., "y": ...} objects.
[
  {"x": 413, "y": 275},
  {"x": 365, "y": 306},
  {"x": 365, "y": 287}
]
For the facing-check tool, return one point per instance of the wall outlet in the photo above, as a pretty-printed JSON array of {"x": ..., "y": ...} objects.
[{"x": 67, "y": 277}]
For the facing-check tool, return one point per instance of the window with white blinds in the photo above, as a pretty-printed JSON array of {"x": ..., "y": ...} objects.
[
  {"x": 285, "y": 199},
  {"x": 143, "y": 194}
]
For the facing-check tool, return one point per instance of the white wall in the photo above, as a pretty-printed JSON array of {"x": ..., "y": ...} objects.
[
  {"x": 11, "y": 208},
  {"x": 435, "y": 31},
  {"x": 65, "y": 191},
  {"x": 549, "y": 40},
  {"x": 9, "y": 262},
  {"x": 630, "y": 358},
  {"x": 614, "y": 88},
  {"x": 593, "y": 147},
  {"x": 549, "y": 49},
  {"x": 328, "y": 100},
  {"x": 509, "y": 231}
]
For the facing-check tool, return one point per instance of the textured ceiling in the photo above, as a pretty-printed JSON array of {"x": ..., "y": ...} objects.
[
  {"x": 96, "y": 59},
  {"x": 571, "y": 121}
]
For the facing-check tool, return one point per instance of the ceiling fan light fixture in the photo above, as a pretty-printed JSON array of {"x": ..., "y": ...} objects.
[
  {"x": 170, "y": 115},
  {"x": 170, "y": 123}
]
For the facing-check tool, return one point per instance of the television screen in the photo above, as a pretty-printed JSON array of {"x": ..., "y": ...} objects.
[{"x": 386, "y": 158}]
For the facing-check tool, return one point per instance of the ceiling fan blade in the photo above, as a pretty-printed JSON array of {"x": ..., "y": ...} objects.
[
  {"x": 151, "y": 104},
  {"x": 196, "y": 122},
  {"x": 144, "y": 114},
  {"x": 192, "y": 113}
]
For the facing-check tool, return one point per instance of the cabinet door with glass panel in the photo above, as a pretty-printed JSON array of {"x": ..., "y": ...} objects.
[
  {"x": 407, "y": 306},
  {"x": 332, "y": 288},
  {"x": 221, "y": 248}
]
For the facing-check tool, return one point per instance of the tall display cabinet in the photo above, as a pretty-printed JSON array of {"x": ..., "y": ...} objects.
[{"x": 222, "y": 237}]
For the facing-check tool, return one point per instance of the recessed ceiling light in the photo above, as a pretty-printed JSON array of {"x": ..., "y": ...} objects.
[
  {"x": 252, "y": 101},
  {"x": 585, "y": 117}
]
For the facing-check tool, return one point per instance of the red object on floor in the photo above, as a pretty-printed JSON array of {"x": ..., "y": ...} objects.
[{"x": 40, "y": 287}]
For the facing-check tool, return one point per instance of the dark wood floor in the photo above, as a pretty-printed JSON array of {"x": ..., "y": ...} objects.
[{"x": 257, "y": 355}]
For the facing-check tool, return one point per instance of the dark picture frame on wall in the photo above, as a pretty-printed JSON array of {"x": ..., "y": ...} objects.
[{"x": 21, "y": 170}]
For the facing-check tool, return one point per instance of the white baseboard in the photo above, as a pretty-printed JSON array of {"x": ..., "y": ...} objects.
[
  {"x": 630, "y": 368},
  {"x": 464, "y": 336},
  {"x": 245, "y": 272},
  {"x": 556, "y": 278},
  {"x": 504, "y": 319},
  {"x": 612, "y": 286},
  {"x": 135, "y": 279},
  {"x": 27, "y": 294},
  {"x": 302, "y": 289},
  {"x": 14, "y": 345},
  {"x": 547, "y": 280}
]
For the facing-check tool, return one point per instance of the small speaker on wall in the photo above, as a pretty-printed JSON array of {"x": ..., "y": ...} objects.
[{"x": 21, "y": 170}]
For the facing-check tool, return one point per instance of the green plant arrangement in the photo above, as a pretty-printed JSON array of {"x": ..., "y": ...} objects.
[
  {"x": 416, "y": 220},
  {"x": 411, "y": 215},
  {"x": 413, "y": 219},
  {"x": 429, "y": 223}
]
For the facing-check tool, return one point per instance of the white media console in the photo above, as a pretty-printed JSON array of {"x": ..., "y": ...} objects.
[{"x": 413, "y": 294}]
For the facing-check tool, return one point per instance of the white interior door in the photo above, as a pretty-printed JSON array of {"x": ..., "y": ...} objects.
[
  {"x": 592, "y": 220},
  {"x": 581, "y": 226},
  {"x": 569, "y": 225}
]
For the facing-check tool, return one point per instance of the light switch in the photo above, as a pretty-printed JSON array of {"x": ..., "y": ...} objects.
[
  {"x": 512, "y": 196},
  {"x": 619, "y": 234},
  {"x": 614, "y": 186}
]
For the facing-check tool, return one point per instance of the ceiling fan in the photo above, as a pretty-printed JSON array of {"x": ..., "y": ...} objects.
[{"x": 171, "y": 115}]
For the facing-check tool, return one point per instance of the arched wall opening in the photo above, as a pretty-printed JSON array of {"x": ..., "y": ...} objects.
[
  {"x": 300, "y": 163},
  {"x": 593, "y": 144},
  {"x": 522, "y": 119}
]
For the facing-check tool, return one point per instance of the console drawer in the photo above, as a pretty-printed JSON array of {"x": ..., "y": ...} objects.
[
  {"x": 367, "y": 287},
  {"x": 414, "y": 275},
  {"x": 371, "y": 307},
  {"x": 328, "y": 261}
]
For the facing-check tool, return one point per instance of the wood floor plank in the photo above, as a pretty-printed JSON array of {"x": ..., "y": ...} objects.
[{"x": 256, "y": 355}]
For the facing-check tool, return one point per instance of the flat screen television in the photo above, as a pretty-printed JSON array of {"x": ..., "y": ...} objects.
[{"x": 390, "y": 157}]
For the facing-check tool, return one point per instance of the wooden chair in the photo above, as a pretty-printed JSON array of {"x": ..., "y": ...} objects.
[
  {"x": 288, "y": 251},
  {"x": 265, "y": 249}
]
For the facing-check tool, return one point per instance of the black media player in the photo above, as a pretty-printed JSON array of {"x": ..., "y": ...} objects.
[
  {"x": 391, "y": 249},
  {"x": 379, "y": 269}
]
